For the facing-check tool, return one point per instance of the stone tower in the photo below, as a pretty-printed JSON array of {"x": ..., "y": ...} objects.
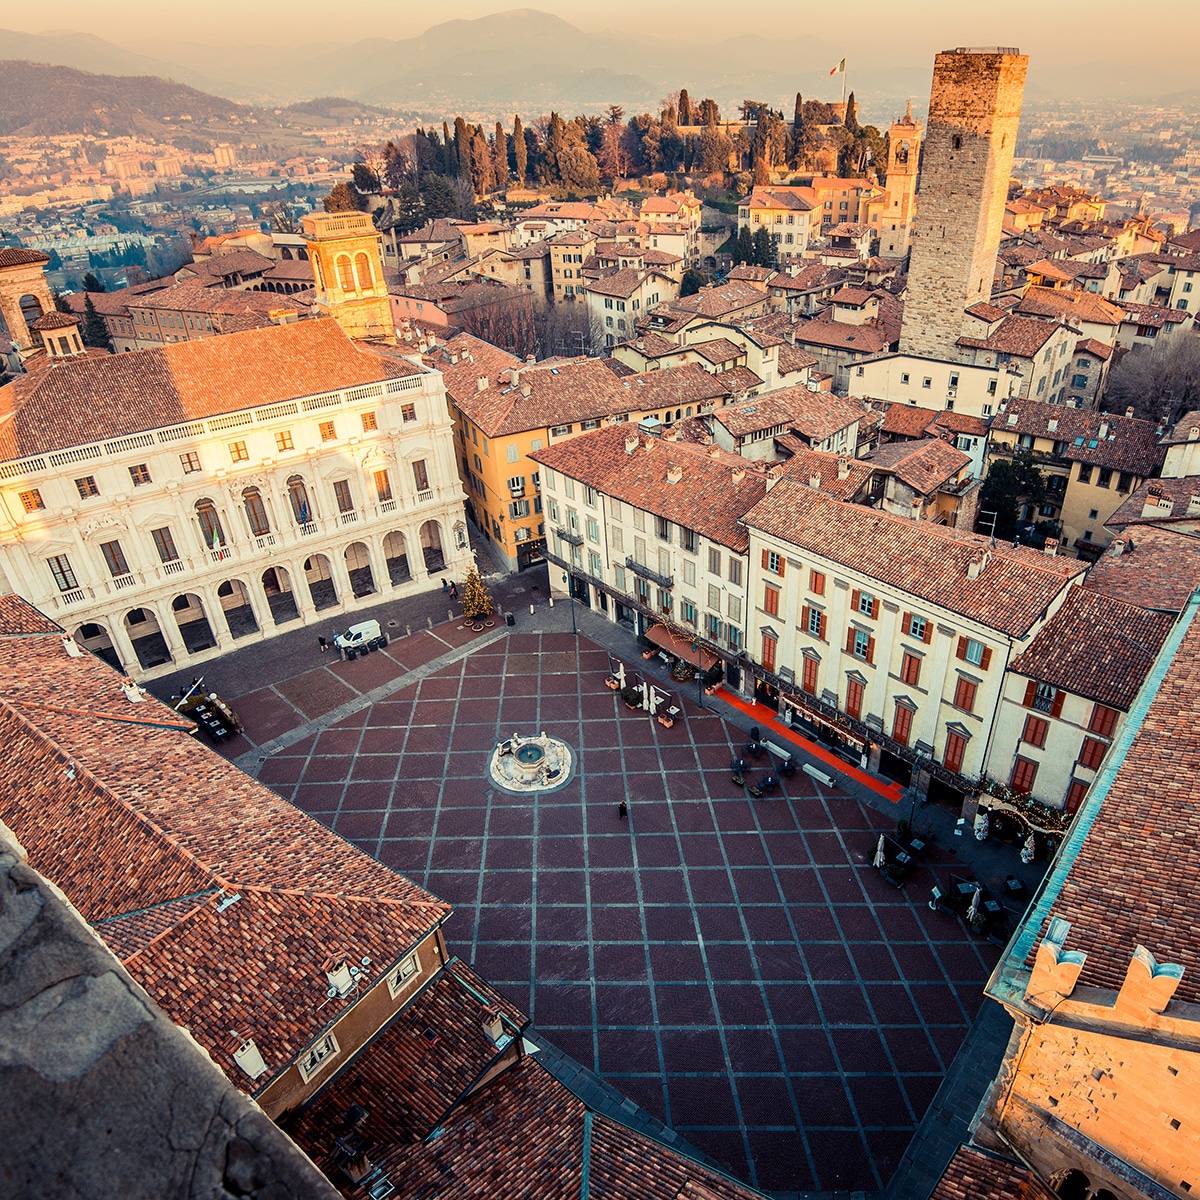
[
  {"x": 974, "y": 109},
  {"x": 348, "y": 273},
  {"x": 24, "y": 295},
  {"x": 904, "y": 153}
]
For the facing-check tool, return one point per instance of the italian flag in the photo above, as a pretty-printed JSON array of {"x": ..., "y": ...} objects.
[{"x": 840, "y": 67}]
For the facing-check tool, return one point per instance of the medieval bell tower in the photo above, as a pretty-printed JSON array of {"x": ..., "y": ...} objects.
[
  {"x": 24, "y": 296},
  {"x": 904, "y": 156},
  {"x": 348, "y": 274}
]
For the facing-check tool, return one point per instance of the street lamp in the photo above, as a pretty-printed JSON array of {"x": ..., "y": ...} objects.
[
  {"x": 699, "y": 674},
  {"x": 571, "y": 597},
  {"x": 915, "y": 789}
]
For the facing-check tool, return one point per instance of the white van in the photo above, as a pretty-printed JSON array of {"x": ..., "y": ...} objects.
[{"x": 360, "y": 639}]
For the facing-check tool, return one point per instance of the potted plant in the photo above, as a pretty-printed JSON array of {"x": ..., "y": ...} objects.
[{"x": 632, "y": 697}]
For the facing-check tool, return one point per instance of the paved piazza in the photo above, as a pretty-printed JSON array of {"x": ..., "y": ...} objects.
[{"x": 734, "y": 966}]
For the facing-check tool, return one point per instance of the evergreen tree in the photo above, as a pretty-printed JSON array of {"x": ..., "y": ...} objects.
[
  {"x": 851, "y": 121},
  {"x": 764, "y": 247},
  {"x": 365, "y": 180},
  {"x": 708, "y": 112},
  {"x": 477, "y": 601},
  {"x": 462, "y": 149},
  {"x": 685, "y": 108},
  {"x": 798, "y": 113},
  {"x": 341, "y": 199},
  {"x": 440, "y": 199},
  {"x": 90, "y": 283},
  {"x": 745, "y": 246},
  {"x": 447, "y": 157},
  {"x": 95, "y": 331},
  {"x": 500, "y": 155},
  {"x": 520, "y": 150}
]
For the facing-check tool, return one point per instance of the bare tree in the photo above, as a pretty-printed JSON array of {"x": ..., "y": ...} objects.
[
  {"x": 567, "y": 330},
  {"x": 1160, "y": 384}
]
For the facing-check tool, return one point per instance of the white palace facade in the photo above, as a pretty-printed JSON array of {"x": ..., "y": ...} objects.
[{"x": 166, "y": 505}]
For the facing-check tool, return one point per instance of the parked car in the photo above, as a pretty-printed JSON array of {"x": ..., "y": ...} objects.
[{"x": 360, "y": 639}]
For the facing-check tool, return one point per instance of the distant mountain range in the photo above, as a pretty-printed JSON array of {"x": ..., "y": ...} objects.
[{"x": 529, "y": 61}]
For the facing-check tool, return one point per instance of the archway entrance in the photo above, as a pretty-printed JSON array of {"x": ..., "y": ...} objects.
[
  {"x": 148, "y": 642},
  {"x": 94, "y": 637},
  {"x": 193, "y": 623},
  {"x": 235, "y": 603},
  {"x": 431, "y": 546},
  {"x": 319, "y": 575},
  {"x": 277, "y": 584},
  {"x": 395, "y": 555},
  {"x": 358, "y": 563}
]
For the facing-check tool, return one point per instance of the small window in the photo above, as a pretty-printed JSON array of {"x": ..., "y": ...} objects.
[
  {"x": 854, "y": 698},
  {"x": 1092, "y": 754},
  {"x": 714, "y": 561},
  {"x": 861, "y": 643},
  {"x": 866, "y": 604},
  {"x": 283, "y": 440},
  {"x": 1035, "y": 731},
  {"x": 164, "y": 543},
  {"x": 114, "y": 558},
  {"x": 956, "y": 748},
  {"x": 735, "y": 571},
  {"x": 383, "y": 486},
  {"x": 139, "y": 474},
  {"x": 345, "y": 498},
  {"x": 816, "y": 583},
  {"x": 190, "y": 462},
  {"x": 964, "y": 695},
  {"x": 408, "y": 412},
  {"x": 771, "y": 600},
  {"x": 328, "y": 431},
  {"x": 904, "y": 377},
  {"x": 64, "y": 574},
  {"x": 238, "y": 452},
  {"x": 321, "y": 1052},
  {"x": 1104, "y": 720},
  {"x": 774, "y": 562},
  {"x": 902, "y": 724},
  {"x": 1024, "y": 773},
  {"x": 974, "y": 652},
  {"x": 512, "y": 453},
  {"x": 32, "y": 501},
  {"x": 420, "y": 475},
  {"x": 402, "y": 973},
  {"x": 910, "y": 669},
  {"x": 370, "y": 422},
  {"x": 87, "y": 487}
]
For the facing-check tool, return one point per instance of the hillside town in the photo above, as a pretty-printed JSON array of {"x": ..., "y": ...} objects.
[{"x": 695, "y": 619}]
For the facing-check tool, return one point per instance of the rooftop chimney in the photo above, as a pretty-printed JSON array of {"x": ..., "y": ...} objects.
[
  {"x": 481, "y": 384},
  {"x": 774, "y": 475},
  {"x": 526, "y": 390},
  {"x": 631, "y": 444},
  {"x": 337, "y": 971},
  {"x": 814, "y": 480},
  {"x": 493, "y": 1026},
  {"x": 1103, "y": 430},
  {"x": 674, "y": 474},
  {"x": 976, "y": 566},
  {"x": 1129, "y": 411},
  {"x": 738, "y": 474},
  {"x": 843, "y": 467},
  {"x": 248, "y": 1056},
  {"x": 1050, "y": 549},
  {"x": 1193, "y": 434}
]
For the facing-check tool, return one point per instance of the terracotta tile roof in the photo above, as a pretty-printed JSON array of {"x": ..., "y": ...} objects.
[
  {"x": 923, "y": 465},
  {"x": 89, "y": 400},
  {"x": 803, "y": 464},
  {"x": 1150, "y": 566},
  {"x": 1096, "y": 646},
  {"x": 974, "y": 1174},
  {"x": 781, "y": 197},
  {"x": 538, "y": 249},
  {"x": 128, "y": 812},
  {"x": 1172, "y": 499},
  {"x": 194, "y": 296},
  {"x": 746, "y": 273},
  {"x": 583, "y": 390},
  {"x": 56, "y": 320},
  {"x": 1069, "y": 305},
  {"x": 740, "y": 379},
  {"x": 1129, "y": 444},
  {"x": 222, "y": 266},
  {"x": 440, "y": 231},
  {"x": 294, "y": 270},
  {"x": 719, "y": 350},
  {"x": 1154, "y": 315},
  {"x": 718, "y": 301},
  {"x": 653, "y": 345},
  {"x": 795, "y": 407},
  {"x": 1022, "y": 336},
  {"x": 793, "y": 358},
  {"x": 1182, "y": 429},
  {"x": 1093, "y": 347},
  {"x": 907, "y": 420},
  {"x": 18, "y": 256},
  {"x": 408, "y": 1080},
  {"x": 622, "y": 283},
  {"x": 926, "y": 561},
  {"x": 856, "y": 297},
  {"x": 1136, "y": 876},
  {"x": 956, "y": 422},
  {"x": 713, "y": 491},
  {"x": 465, "y": 359},
  {"x": 833, "y": 335}
]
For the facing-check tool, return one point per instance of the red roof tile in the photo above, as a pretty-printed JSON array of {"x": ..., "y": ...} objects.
[
  {"x": 974, "y": 1174},
  {"x": 1150, "y": 566}
]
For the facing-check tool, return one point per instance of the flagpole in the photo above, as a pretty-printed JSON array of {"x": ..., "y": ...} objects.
[{"x": 844, "y": 87}]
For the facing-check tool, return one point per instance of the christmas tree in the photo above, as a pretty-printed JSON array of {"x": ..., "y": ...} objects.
[{"x": 476, "y": 599}]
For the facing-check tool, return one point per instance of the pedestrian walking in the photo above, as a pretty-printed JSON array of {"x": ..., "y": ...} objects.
[
  {"x": 445, "y": 586},
  {"x": 454, "y": 591},
  {"x": 323, "y": 643},
  {"x": 622, "y": 810}
]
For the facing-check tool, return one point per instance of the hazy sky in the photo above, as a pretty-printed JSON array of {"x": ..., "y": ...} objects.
[{"x": 908, "y": 33}]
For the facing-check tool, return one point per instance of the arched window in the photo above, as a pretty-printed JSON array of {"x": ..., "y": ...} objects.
[
  {"x": 31, "y": 309},
  {"x": 298, "y": 498},
  {"x": 1074, "y": 1185},
  {"x": 362, "y": 268},
  {"x": 256, "y": 512},
  {"x": 210, "y": 524},
  {"x": 345, "y": 273}
]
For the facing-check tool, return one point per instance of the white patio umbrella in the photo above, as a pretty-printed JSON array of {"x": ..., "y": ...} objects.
[
  {"x": 620, "y": 674},
  {"x": 880, "y": 859},
  {"x": 973, "y": 908},
  {"x": 653, "y": 698}
]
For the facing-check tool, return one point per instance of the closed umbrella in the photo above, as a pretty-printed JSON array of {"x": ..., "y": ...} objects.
[
  {"x": 880, "y": 859},
  {"x": 973, "y": 907},
  {"x": 620, "y": 673}
]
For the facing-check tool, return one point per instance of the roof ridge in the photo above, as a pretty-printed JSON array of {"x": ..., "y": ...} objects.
[
  {"x": 136, "y": 912},
  {"x": 185, "y": 727},
  {"x": 319, "y": 893}
]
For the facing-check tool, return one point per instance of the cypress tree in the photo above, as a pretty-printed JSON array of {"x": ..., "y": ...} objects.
[
  {"x": 90, "y": 283},
  {"x": 500, "y": 155},
  {"x": 851, "y": 121},
  {"x": 447, "y": 161},
  {"x": 520, "y": 150},
  {"x": 685, "y": 108},
  {"x": 745, "y": 246}
]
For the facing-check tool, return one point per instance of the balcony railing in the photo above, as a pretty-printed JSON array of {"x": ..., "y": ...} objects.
[
  {"x": 574, "y": 539},
  {"x": 174, "y": 567},
  {"x": 663, "y": 581},
  {"x": 348, "y": 518},
  {"x": 124, "y": 581},
  {"x": 425, "y": 496}
]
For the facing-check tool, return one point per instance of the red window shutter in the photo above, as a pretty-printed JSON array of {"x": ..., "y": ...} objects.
[
  {"x": 855, "y": 597},
  {"x": 768, "y": 652},
  {"x": 961, "y": 652},
  {"x": 1092, "y": 754},
  {"x": 905, "y": 623},
  {"x": 850, "y": 641},
  {"x": 902, "y": 725},
  {"x": 821, "y": 635},
  {"x": 1030, "y": 693},
  {"x": 804, "y": 611},
  {"x": 818, "y": 583},
  {"x": 1057, "y": 707},
  {"x": 765, "y": 559},
  {"x": 956, "y": 746},
  {"x": 1075, "y": 794},
  {"x": 1035, "y": 731},
  {"x": 875, "y": 609},
  {"x": 771, "y": 601},
  {"x": 927, "y": 636},
  {"x": 809, "y": 683},
  {"x": 870, "y": 649},
  {"x": 987, "y": 658},
  {"x": 964, "y": 695},
  {"x": 1104, "y": 720},
  {"x": 782, "y": 566},
  {"x": 854, "y": 695},
  {"x": 1023, "y": 775}
]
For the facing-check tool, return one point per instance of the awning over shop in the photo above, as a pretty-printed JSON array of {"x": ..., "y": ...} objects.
[
  {"x": 817, "y": 718},
  {"x": 683, "y": 648}
]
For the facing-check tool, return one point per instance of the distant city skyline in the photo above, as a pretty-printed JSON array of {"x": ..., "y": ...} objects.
[{"x": 881, "y": 34}]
